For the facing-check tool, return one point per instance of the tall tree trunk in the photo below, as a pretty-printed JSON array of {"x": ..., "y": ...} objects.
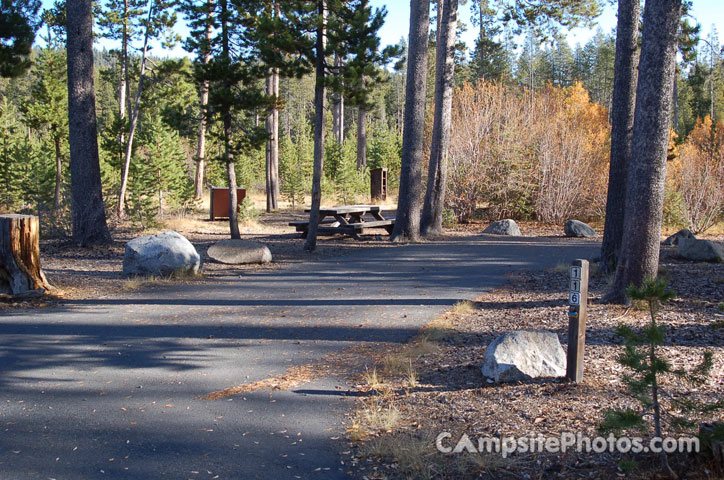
[
  {"x": 361, "y": 137},
  {"x": 444, "y": 77},
  {"x": 272, "y": 144},
  {"x": 407, "y": 223},
  {"x": 647, "y": 171},
  {"x": 89, "y": 213},
  {"x": 338, "y": 109},
  {"x": 226, "y": 117},
  {"x": 134, "y": 118},
  {"x": 676, "y": 101},
  {"x": 320, "y": 94},
  {"x": 203, "y": 122},
  {"x": 622, "y": 120},
  {"x": 58, "y": 172},
  {"x": 123, "y": 79}
]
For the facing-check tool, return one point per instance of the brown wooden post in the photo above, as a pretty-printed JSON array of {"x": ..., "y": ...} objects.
[
  {"x": 20, "y": 273},
  {"x": 577, "y": 312}
]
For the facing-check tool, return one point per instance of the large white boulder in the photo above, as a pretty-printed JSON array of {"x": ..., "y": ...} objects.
[
  {"x": 576, "y": 228},
  {"x": 237, "y": 252},
  {"x": 164, "y": 254},
  {"x": 700, "y": 250},
  {"x": 504, "y": 227},
  {"x": 522, "y": 355}
]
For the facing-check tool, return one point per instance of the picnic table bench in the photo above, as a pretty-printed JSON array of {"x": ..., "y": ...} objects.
[{"x": 347, "y": 220}]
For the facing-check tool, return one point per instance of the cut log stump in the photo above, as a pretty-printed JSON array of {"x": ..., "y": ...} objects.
[{"x": 20, "y": 272}]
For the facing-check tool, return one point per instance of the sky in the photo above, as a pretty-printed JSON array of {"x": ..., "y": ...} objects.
[{"x": 708, "y": 13}]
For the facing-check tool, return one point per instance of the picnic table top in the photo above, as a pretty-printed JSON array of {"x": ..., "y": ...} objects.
[{"x": 348, "y": 209}]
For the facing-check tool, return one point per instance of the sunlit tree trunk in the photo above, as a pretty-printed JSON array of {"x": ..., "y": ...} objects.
[
  {"x": 647, "y": 171},
  {"x": 89, "y": 213},
  {"x": 134, "y": 118},
  {"x": 203, "y": 121},
  {"x": 320, "y": 93},
  {"x": 407, "y": 223},
  {"x": 444, "y": 76},
  {"x": 622, "y": 120}
]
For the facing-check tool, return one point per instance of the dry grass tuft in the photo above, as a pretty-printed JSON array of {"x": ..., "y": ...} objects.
[
  {"x": 411, "y": 376},
  {"x": 412, "y": 455},
  {"x": 464, "y": 307},
  {"x": 372, "y": 379}
]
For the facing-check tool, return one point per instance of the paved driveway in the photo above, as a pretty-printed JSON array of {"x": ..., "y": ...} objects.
[{"x": 110, "y": 388}]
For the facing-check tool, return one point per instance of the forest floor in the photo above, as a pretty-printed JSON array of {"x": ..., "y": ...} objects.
[{"x": 434, "y": 383}]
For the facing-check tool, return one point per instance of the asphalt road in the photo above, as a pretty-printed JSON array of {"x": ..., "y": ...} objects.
[{"x": 111, "y": 388}]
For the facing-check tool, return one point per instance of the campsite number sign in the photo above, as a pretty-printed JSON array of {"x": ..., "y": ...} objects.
[{"x": 577, "y": 312}]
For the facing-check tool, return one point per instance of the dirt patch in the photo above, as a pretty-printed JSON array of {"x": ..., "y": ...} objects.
[{"x": 449, "y": 394}]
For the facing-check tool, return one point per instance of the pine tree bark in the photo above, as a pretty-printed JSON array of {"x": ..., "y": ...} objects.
[
  {"x": 227, "y": 121},
  {"x": 320, "y": 94},
  {"x": 622, "y": 120},
  {"x": 407, "y": 222},
  {"x": 361, "y": 137},
  {"x": 272, "y": 144},
  {"x": 647, "y": 170},
  {"x": 203, "y": 121},
  {"x": 89, "y": 213},
  {"x": 20, "y": 272},
  {"x": 58, "y": 170},
  {"x": 338, "y": 109},
  {"x": 123, "y": 78},
  {"x": 444, "y": 76}
]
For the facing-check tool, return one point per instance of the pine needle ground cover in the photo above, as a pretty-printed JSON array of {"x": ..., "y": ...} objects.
[{"x": 451, "y": 395}]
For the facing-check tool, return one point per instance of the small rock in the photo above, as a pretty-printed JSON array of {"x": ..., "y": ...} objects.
[
  {"x": 237, "y": 252},
  {"x": 504, "y": 227},
  {"x": 700, "y": 250},
  {"x": 522, "y": 355},
  {"x": 576, "y": 228},
  {"x": 675, "y": 239},
  {"x": 163, "y": 254}
]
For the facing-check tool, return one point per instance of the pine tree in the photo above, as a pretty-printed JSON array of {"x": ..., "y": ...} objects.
[
  {"x": 18, "y": 23},
  {"x": 159, "y": 179},
  {"x": 234, "y": 70},
  {"x": 159, "y": 20},
  {"x": 648, "y": 369},
  {"x": 11, "y": 165},
  {"x": 490, "y": 60},
  {"x": 89, "y": 213},
  {"x": 48, "y": 107}
]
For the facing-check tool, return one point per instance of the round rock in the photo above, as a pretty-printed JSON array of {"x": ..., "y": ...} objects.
[
  {"x": 522, "y": 355},
  {"x": 576, "y": 228},
  {"x": 164, "y": 254},
  {"x": 676, "y": 238},
  {"x": 700, "y": 250},
  {"x": 504, "y": 227},
  {"x": 238, "y": 252}
]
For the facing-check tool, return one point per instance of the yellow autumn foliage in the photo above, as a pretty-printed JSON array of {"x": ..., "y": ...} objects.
[
  {"x": 514, "y": 155},
  {"x": 695, "y": 178}
]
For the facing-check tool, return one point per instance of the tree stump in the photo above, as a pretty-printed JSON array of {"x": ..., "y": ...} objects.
[{"x": 20, "y": 273}]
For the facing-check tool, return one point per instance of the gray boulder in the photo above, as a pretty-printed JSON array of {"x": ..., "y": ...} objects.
[
  {"x": 576, "y": 228},
  {"x": 676, "y": 238},
  {"x": 522, "y": 355},
  {"x": 700, "y": 250},
  {"x": 504, "y": 227},
  {"x": 164, "y": 254},
  {"x": 236, "y": 252}
]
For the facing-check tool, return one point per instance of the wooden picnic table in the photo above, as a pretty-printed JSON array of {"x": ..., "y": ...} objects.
[{"x": 347, "y": 220}]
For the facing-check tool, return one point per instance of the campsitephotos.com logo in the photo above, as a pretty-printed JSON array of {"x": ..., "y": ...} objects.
[{"x": 566, "y": 441}]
